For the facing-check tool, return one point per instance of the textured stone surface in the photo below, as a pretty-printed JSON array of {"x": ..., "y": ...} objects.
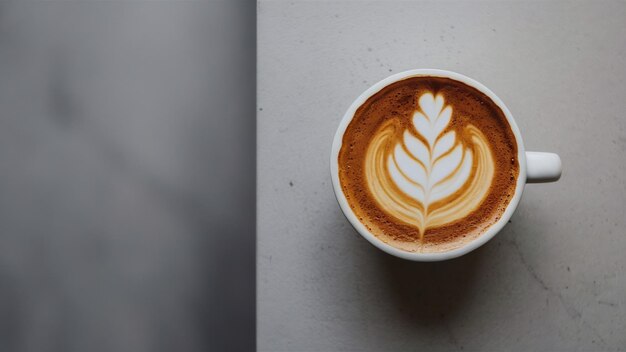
[{"x": 553, "y": 279}]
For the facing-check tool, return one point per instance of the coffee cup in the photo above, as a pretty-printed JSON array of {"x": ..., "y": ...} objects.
[{"x": 454, "y": 196}]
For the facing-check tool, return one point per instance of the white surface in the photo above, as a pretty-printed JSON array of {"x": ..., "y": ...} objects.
[{"x": 553, "y": 279}]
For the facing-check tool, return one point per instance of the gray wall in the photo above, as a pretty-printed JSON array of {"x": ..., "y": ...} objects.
[{"x": 127, "y": 136}]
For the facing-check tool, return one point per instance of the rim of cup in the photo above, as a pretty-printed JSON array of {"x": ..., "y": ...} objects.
[{"x": 430, "y": 256}]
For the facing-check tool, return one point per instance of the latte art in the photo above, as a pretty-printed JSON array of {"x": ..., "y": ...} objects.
[{"x": 428, "y": 166}]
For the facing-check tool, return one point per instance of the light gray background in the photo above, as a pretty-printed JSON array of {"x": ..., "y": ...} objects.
[
  {"x": 553, "y": 279},
  {"x": 127, "y": 176}
]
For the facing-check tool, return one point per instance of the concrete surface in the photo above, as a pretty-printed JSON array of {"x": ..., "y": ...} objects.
[
  {"x": 553, "y": 279},
  {"x": 127, "y": 176}
]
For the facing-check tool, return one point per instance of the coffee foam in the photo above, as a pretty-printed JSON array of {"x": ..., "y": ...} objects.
[{"x": 428, "y": 164}]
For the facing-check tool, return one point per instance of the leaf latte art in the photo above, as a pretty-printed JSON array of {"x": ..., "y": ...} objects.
[{"x": 429, "y": 177}]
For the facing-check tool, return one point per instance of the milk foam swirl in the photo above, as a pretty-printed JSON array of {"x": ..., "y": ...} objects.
[{"x": 429, "y": 174}]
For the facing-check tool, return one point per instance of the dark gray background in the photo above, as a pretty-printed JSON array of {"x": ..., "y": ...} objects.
[{"x": 127, "y": 136}]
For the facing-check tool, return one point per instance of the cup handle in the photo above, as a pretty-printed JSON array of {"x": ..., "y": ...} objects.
[{"x": 542, "y": 167}]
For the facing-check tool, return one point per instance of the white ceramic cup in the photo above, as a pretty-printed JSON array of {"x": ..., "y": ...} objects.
[{"x": 534, "y": 167}]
